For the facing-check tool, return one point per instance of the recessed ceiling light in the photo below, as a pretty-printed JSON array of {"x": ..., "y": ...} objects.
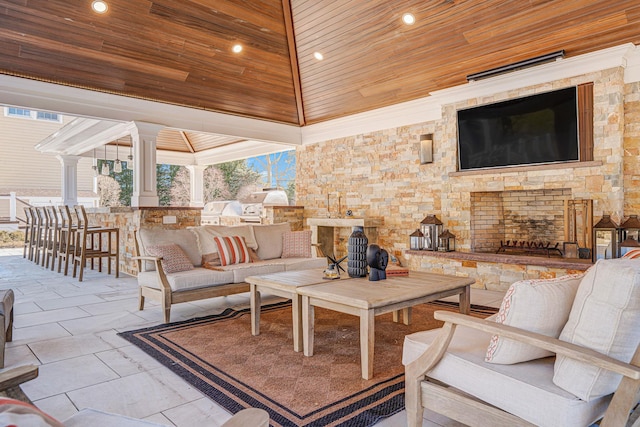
[
  {"x": 408, "y": 19},
  {"x": 99, "y": 6},
  {"x": 237, "y": 48},
  {"x": 318, "y": 56}
]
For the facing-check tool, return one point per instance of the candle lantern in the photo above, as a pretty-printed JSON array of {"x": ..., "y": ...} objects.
[
  {"x": 629, "y": 233},
  {"x": 416, "y": 240},
  {"x": 447, "y": 242},
  {"x": 605, "y": 239},
  {"x": 431, "y": 228}
]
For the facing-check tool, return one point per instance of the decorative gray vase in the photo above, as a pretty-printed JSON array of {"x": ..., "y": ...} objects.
[{"x": 357, "y": 253}]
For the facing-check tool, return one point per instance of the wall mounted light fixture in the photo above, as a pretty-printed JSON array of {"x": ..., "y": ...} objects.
[{"x": 426, "y": 148}]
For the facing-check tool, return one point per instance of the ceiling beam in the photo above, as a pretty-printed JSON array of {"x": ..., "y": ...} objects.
[
  {"x": 293, "y": 56},
  {"x": 185, "y": 138},
  {"x": 37, "y": 95}
]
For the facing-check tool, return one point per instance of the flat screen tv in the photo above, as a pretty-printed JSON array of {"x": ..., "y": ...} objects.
[{"x": 541, "y": 128}]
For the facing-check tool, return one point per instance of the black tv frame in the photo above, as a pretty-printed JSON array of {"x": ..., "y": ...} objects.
[{"x": 509, "y": 151}]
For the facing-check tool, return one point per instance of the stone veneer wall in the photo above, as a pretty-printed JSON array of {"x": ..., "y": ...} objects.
[
  {"x": 378, "y": 174},
  {"x": 294, "y": 215}
]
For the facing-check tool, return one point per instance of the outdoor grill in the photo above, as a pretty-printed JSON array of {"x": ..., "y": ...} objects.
[{"x": 253, "y": 204}]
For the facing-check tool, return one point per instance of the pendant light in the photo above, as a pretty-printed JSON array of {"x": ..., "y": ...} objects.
[
  {"x": 130, "y": 158},
  {"x": 117, "y": 165},
  {"x": 105, "y": 165},
  {"x": 94, "y": 164}
]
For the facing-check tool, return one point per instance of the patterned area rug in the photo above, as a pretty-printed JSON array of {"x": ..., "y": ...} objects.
[{"x": 219, "y": 356}]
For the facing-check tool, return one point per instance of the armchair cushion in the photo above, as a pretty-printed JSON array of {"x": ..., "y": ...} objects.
[
  {"x": 540, "y": 306},
  {"x": 173, "y": 258},
  {"x": 514, "y": 388},
  {"x": 604, "y": 317}
]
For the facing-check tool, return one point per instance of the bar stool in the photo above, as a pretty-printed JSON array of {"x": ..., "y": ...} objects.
[
  {"x": 53, "y": 237},
  {"x": 66, "y": 243},
  {"x": 38, "y": 234},
  {"x": 89, "y": 244},
  {"x": 33, "y": 243},
  {"x": 28, "y": 233},
  {"x": 44, "y": 243}
]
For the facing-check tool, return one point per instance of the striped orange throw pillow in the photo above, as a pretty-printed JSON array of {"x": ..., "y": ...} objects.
[{"x": 232, "y": 250}]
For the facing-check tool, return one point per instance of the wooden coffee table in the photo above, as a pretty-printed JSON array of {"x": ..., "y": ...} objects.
[
  {"x": 284, "y": 285},
  {"x": 366, "y": 299}
]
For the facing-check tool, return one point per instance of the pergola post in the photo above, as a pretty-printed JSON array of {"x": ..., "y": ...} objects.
[
  {"x": 196, "y": 181},
  {"x": 143, "y": 138},
  {"x": 69, "y": 179}
]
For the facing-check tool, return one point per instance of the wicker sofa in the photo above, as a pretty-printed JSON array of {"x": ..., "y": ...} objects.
[{"x": 273, "y": 248}]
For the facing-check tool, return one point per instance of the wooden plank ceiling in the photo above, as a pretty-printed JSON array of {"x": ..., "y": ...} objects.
[
  {"x": 179, "y": 52},
  {"x": 183, "y": 141}
]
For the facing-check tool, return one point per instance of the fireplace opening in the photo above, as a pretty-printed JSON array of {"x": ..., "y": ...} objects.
[{"x": 529, "y": 222}]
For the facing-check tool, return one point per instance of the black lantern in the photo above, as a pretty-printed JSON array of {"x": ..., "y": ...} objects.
[
  {"x": 431, "y": 228},
  {"x": 605, "y": 239},
  {"x": 629, "y": 233},
  {"x": 416, "y": 240},
  {"x": 446, "y": 242}
]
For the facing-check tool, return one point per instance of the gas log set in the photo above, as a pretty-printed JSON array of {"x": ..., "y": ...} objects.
[{"x": 529, "y": 247}]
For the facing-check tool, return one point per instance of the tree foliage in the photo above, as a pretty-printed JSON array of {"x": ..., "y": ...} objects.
[
  {"x": 237, "y": 175},
  {"x": 215, "y": 186},
  {"x": 165, "y": 174},
  {"x": 108, "y": 191},
  {"x": 226, "y": 181},
  {"x": 181, "y": 188}
]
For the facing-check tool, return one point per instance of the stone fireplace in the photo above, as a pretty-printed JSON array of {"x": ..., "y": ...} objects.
[{"x": 519, "y": 215}]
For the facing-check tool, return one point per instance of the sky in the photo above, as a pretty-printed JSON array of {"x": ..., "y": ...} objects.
[{"x": 284, "y": 170}]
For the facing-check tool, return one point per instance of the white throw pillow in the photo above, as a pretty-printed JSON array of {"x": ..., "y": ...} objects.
[
  {"x": 541, "y": 306},
  {"x": 605, "y": 317}
]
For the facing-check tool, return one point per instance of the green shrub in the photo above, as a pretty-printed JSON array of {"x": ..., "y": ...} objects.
[{"x": 11, "y": 239}]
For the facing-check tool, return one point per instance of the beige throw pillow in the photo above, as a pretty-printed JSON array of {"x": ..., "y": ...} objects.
[
  {"x": 540, "y": 306},
  {"x": 269, "y": 239}
]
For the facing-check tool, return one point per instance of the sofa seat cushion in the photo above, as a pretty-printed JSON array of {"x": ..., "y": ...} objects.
[
  {"x": 291, "y": 264},
  {"x": 192, "y": 279},
  {"x": 510, "y": 387},
  {"x": 241, "y": 271}
]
